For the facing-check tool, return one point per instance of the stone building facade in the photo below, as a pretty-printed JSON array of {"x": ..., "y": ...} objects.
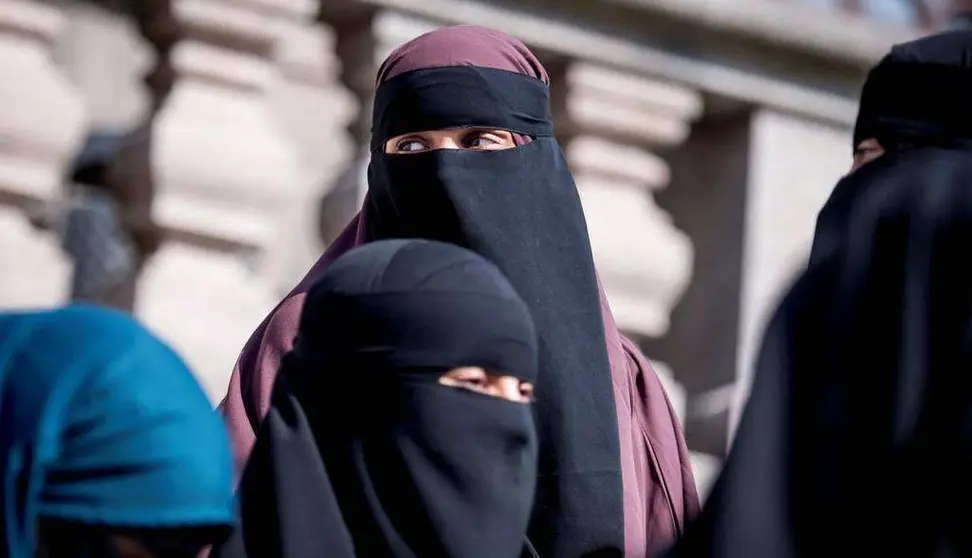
[{"x": 704, "y": 136}]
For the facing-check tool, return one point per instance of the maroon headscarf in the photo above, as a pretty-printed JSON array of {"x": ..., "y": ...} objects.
[{"x": 659, "y": 488}]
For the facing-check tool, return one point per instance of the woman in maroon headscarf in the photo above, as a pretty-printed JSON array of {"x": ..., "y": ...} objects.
[{"x": 463, "y": 152}]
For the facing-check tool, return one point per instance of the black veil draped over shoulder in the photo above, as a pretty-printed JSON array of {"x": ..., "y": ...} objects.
[
  {"x": 364, "y": 453},
  {"x": 857, "y": 438}
]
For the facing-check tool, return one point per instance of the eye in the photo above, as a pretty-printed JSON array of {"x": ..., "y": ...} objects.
[
  {"x": 410, "y": 145},
  {"x": 475, "y": 380},
  {"x": 864, "y": 155},
  {"x": 480, "y": 141},
  {"x": 472, "y": 378},
  {"x": 526, "y": 390},
  {"x": 485, "y": 141}
]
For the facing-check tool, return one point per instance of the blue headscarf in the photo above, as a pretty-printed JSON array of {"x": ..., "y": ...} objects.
[{"x": 103, "y": 424}]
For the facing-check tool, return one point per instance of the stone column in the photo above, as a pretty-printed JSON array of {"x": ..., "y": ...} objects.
[
  {"x": 750, "y": 210},
  {"x": 615, "y": 127},
  {"x": 612, "y": 125},
  {"x": 314, "y": 109},
  {"x": 223, "y": 173},
  {"x": 364, "y": 39},
  {"x": 786, "y": 188},
  {"x": 708, "y": 201},
  {"x": 42, "y": 123}
]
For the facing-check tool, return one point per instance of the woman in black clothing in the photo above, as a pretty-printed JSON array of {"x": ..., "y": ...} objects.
[{"x": 400, "y": 423}]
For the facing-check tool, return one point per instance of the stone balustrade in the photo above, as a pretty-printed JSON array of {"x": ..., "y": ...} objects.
[
  {"x": 42, "y": 123},
  {"x": 224, "y": 172},
  {"x": 612, "y": 121},
  {"x": 314, "y": 109}
]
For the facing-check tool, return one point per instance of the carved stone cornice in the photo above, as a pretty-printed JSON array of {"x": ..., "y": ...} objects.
[
  {"x": 817, "y": 87},
  {"x": 788, "y": 24}
]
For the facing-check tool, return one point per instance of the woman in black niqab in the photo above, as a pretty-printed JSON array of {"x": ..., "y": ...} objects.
[
  {"x": 367, "y": 451},
  {"x": 916, "y": 96},
  {"x": 851, "y": 442},
  {"x": 856, "y": 439}
]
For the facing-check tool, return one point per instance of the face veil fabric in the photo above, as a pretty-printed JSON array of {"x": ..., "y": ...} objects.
[
  {"x": 364, "y": 452},
  {"x": 855, "y": 441},
  {"x": 104, "y": 427}
]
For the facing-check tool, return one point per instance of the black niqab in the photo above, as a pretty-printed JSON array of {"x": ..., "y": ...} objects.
[
  {"x": 520, "y": 209},
  {"x": 856, "y": 439},
  {"x": 917, "y": 96},
  {"x": 919, "y": 93},
  {"x": 363, "y": 452}
]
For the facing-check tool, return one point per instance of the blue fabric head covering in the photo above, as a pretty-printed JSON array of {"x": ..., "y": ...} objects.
[{"x": 103, "y": 424}]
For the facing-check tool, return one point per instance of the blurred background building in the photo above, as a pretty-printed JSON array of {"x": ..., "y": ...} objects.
[{"x": 188, "y": 160}]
